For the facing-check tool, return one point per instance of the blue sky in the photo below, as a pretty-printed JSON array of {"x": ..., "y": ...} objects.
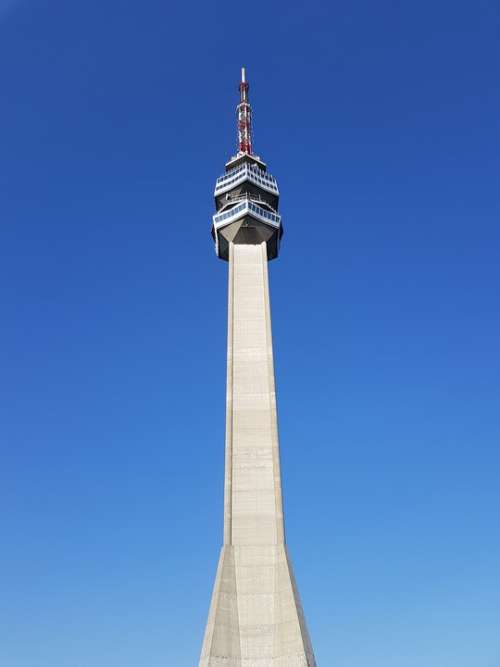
[{"x": 380, "y": 121}]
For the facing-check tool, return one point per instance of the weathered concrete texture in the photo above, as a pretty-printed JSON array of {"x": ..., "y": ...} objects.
[{"x": 255, "y": 618}]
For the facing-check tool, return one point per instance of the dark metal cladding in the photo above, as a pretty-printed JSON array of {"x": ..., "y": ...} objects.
[
  {"x": 251, "y": 232},
  {"x": 253, "y": 191}
]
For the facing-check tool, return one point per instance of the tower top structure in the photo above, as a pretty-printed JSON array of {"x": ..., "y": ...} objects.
[{"x": 246, "y": 196}]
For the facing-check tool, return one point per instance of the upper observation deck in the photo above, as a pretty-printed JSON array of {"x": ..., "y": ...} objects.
[{"x": 246, "y": 172}]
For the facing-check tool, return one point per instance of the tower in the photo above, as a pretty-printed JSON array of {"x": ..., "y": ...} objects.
[{"x": 255, "y": 618}]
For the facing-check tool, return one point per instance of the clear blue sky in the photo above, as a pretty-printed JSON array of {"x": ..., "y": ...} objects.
[{"x": 381, "y": 122}]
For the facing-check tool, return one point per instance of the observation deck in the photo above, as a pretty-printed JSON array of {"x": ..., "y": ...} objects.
[
  {"x": 246, "y": 172},
  {"x": 246, "y": 201}
]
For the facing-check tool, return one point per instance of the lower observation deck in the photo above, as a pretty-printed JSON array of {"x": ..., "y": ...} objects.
[
  {"x": 247, "y": 223},
  {"x": 247, "y": 207}
]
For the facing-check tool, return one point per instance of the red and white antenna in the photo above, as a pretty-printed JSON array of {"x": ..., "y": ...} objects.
[{"x": 244, "y": 111}]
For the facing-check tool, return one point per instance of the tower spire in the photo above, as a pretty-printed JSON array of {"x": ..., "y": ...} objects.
[{"x": 244, "y": 113}]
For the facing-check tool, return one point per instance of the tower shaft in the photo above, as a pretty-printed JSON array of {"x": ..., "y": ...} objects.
[
  {"x": 255, "y": 618},
  {"x": 253, "y": 512}
]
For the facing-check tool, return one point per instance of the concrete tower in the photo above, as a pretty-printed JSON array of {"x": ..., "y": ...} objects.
[{"x": 255, "y": 618}]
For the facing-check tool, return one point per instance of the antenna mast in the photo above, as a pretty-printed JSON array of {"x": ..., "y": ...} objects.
[{"x": 244, "y": 111}]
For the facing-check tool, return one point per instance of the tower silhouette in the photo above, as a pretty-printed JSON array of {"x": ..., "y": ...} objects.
[{"x": 255, "y": 618}]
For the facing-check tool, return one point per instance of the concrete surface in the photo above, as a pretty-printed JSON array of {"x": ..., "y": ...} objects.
[{"x": 255, "y": 617}]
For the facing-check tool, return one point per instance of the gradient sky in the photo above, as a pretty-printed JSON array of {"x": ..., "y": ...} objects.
[{"x": 381, "y": 122}]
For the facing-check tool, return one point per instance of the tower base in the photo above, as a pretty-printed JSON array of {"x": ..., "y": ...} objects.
[{"x": 256, "y": 617}]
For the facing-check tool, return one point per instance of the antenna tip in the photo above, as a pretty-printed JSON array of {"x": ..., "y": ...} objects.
[{"x": 243, "y": 75}]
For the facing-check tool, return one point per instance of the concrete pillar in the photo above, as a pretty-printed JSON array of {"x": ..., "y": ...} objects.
[{"x": 255, "y": 618}]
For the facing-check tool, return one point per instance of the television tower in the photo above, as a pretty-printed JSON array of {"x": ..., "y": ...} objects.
[{"x": 255, "y": 618}]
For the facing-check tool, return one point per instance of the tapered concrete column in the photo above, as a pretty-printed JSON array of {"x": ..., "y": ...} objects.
[
  {"x": 255, "y": 618},
  {"x": 253, "y": 505}
]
